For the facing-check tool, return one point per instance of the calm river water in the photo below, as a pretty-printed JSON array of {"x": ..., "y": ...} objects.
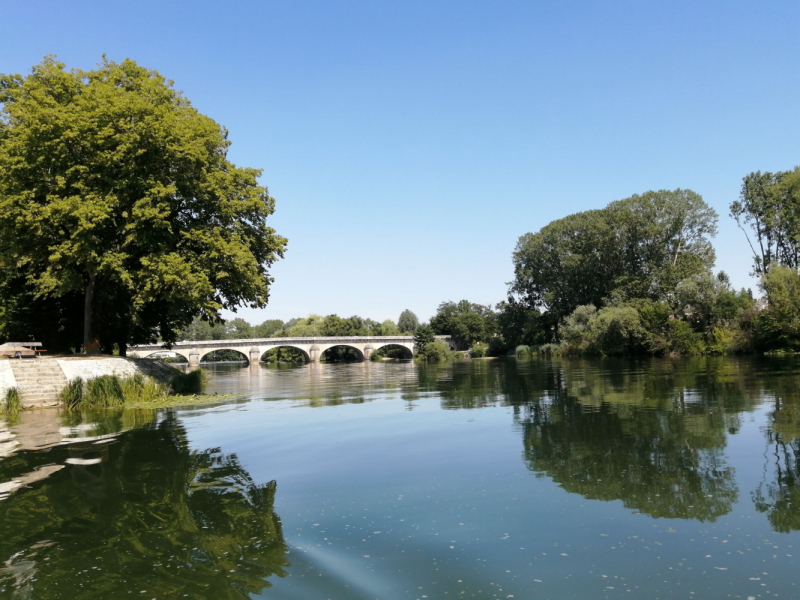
[{"x": 482, "y": 479}]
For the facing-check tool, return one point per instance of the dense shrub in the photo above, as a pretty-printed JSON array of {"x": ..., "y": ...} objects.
[
  {"x": 435, "y": 351},
  {"x": 478, "y": 350},
  {"x": 497, "y": 347},
  {"x": 550, "y": 349},
  {"x": 613, "y": 331},
  {"x": 617, "y": 330},
  {"x": 779, "y": 325}
]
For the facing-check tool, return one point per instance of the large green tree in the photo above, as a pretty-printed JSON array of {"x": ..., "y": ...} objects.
[
  {"x": 113, "y": 186},
  {"x": 467, "y": 322},
  {"x": 407, "y": 322},
  {"x": 769, "y": 205},
  {"x": 640, "y": 247}
]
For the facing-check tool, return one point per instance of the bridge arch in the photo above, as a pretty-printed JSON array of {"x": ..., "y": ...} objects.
[
  {"x": 204, "y": 356},
  {"x": 394, "y": 350},
  {"x": 273, "y": 350},
  {"x": 348, "y": 352},
  {"x": 155, "y": 354}
]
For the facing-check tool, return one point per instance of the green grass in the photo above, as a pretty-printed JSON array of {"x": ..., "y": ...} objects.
[
  {"x": 12, "y": 403},
  {"x": 142, "y": 389},
  {"x": 192, "y": 382},
  {"x": 72, "y": 395},
  {"x": 111, "y": 391}
]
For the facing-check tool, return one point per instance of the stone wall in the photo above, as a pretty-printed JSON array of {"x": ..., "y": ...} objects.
[
  {"x": 7, "y": 380},
  {"x": 89, "y": 368}
]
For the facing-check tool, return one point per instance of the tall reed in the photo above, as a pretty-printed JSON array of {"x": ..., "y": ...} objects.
[
  {"x": 12, "y": 402},
  {"x": 72, "y": 395},
  {"x": 111, "y": 390},
  {"x": 192, "y": 382}
]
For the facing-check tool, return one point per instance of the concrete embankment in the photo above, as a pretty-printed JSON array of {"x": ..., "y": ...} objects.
[{"x": 40, "y": 380}]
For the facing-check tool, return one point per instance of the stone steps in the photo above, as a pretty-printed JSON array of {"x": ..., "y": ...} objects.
[{"x": 39, "y": 380}]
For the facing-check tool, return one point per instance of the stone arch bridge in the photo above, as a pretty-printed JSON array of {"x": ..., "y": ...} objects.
[{"x": 311, "y": 347}]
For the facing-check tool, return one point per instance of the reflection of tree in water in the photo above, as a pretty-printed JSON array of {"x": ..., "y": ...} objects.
[
  {"x": 152, "y": 516},
  {"x": 780, "y": 498},
  {"x": 650, "y": 433},
  {"x": 657, "y": 462}
]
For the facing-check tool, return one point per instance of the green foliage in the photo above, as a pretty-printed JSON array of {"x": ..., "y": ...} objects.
[
  {"x": 267, "y": 328},
  {"x": 389, "y": 328},
  {"x": 617, "y": 330},
  {"x": 769, "y": 205},
  {"x": 335, "y": 326},
  {"x": 285, "y": 355},
  {"x": 478, "y": 350},
  {"x": 707, "y": 301},
  {"x": 522, "y": 351},
  {"x": 407, "y": 322},
  {"x": 12, "y": 402},
  {"x": 311, "y": 326},
  {"x": 392, "y": 351},
  {"x": 225, "y": 356},
  {"x": 465, "y": 321},
  {"x": 497, "y": 347},
  {"x": 141, "y": 389},
  {"x": 341, "y": 354},
  {"x": 72, "y": 395},
  {"x": 117, "y": 193},
  {"x": 110, "y": 391},
  {"x": 642, "y": 246},
  {"x": 520, "y": 325},
  {"x": 103, "y": 391},
  {"x": 435, "y": 351},
  {"x": 549, "y": 349},
  {"x": 722, "y": 340},
  {"x": 157, "y": 500},
  {"x": 192, "y": 382},
  {"x": 778, "y": 326},
  {"x": 612, "y": 331},
  {"x": 238, "y": 329},
  {"x": 423, "y": 336}
]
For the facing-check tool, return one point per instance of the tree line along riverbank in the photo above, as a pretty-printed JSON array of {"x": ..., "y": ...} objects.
[{"x": 123, "y": 222}]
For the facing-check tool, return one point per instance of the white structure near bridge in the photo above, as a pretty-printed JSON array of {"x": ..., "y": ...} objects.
[{"x": 311, "y": 347}]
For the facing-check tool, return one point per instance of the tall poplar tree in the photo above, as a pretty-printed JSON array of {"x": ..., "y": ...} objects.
[{"x": 113, "y": 186}]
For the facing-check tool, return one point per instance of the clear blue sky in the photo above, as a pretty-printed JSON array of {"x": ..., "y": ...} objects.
[{"x": 409, "y": 144}]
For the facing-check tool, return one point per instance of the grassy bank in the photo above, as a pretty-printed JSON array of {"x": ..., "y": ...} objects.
[{"x": 109, "y": 391}]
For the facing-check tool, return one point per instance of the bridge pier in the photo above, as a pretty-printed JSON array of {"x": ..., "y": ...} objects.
[
  {"x": 194, "y": 357},
  {"x": 313, "y": 353},
  {"x": 255, "y": 355},
  {"x": 367, "y": 351}
]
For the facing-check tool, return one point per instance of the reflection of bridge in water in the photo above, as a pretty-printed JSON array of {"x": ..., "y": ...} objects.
[{"x": 312, "y": 348}]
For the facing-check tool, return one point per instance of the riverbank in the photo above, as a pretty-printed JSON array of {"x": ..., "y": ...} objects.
[{"x": 40, "y": 381}]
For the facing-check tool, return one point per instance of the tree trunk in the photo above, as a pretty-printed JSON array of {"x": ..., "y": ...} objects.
[{"x": 89, "y": 343}]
